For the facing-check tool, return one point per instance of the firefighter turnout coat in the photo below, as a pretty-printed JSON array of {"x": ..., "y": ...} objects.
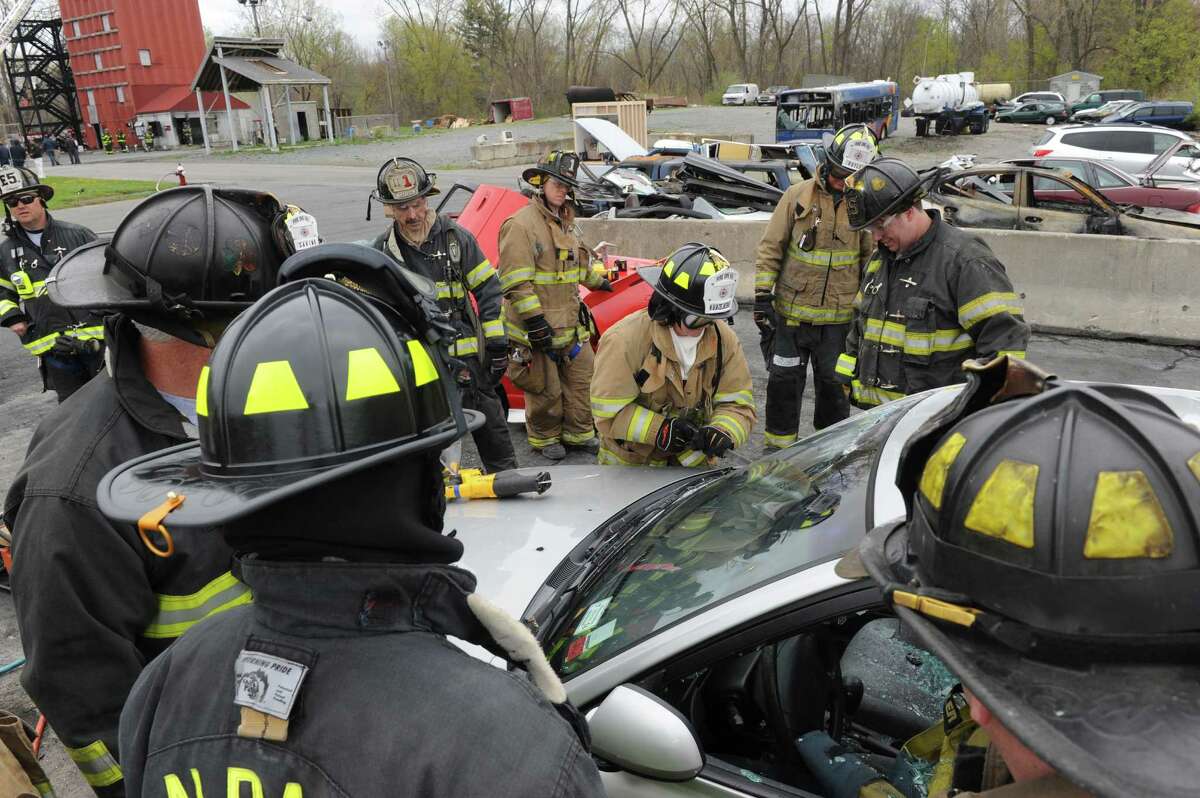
[
  {"x": 339, "y": 682},
  {"x": 810, "y": 259},
  {"x": 542, "y": 263},
  {"x": 923, "y": 312},
  {"x": 451, "y": 257},
  {"x": 637, "y": 386},
  {"x": 24, "y": 267},
  {"x": 93, "y": 604}
]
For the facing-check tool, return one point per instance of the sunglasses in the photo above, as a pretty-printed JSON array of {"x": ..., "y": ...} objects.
[
  {"x": 24, "y": 199},
  {"x": 694, "y": 321}
]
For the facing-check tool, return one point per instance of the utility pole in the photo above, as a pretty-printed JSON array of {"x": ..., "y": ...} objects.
[
  {"x": 387, "y": 71},
  {"x": 254, "y": 10}
]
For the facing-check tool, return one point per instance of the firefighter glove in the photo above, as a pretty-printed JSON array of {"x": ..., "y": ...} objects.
[
  {"x": 497, "y": 360},
  {"x": 541, "y": 334},
  {"x": 715, "y": 442},
  {"x": 764, "y": 313},
  {"x": 675, "y": 435},
  {"x": 605, "y": 285},
  {"x": 68, "y": 346}
]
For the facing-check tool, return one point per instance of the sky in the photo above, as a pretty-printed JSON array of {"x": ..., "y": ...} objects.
[{"x": 360, "y": 18}]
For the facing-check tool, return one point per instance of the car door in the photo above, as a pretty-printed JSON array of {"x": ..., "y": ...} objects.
[
  {"x": 1048, "y": 203},
  {"x": 978, "y": 198},
  {"x": 1119, "y": 191},
  {"x": 1131, "y": 150}
]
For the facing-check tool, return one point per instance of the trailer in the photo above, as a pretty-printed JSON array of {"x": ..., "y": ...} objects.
[{"x": 950, "y": 104}]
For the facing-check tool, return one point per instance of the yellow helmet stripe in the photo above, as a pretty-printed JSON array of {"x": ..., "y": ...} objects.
[
  {"x": 368, "y": 375},
  {"x": 202, "y": 393},
  {"x": 274, "y": 389},
  {"x": 423, "y": 368}
]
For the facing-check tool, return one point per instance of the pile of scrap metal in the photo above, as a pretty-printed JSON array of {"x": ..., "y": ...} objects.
[{"x": 680, "y": 180}]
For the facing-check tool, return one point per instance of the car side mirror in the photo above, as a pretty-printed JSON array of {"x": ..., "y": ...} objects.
[{"x": 639, "y": 732}]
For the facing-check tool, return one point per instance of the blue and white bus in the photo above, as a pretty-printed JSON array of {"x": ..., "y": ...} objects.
[{"x": 809, "y": 113}]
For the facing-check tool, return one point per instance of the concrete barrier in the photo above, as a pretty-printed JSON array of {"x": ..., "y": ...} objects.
[{"x": 1108, "y": 286}]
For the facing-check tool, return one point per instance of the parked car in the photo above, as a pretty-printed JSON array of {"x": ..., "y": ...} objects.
[
  {"x": 768, "y": 96},
  {"x": 1029, "y": 97},
  {"x": 1131, "y": 148},
  {"x": 1100, "y": 98},
  {"x": 1099, "y": 112},
  {"x": 1121, "y": 187},
  {"x": 1010, "y": 197},
  {"x": 1165, "y": 114},
  {"x": 740, "y": 94},
  {"x": 704, "y": 621},
  {"x": 1036, "y": 113}
]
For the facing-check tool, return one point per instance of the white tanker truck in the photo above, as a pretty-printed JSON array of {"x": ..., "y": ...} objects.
[{"x": 951, "y": 103}]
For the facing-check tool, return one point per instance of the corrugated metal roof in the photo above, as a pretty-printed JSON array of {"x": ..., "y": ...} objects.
[
  {"x": 250, "y": 63},
  {"x": 178, "y": 98}
]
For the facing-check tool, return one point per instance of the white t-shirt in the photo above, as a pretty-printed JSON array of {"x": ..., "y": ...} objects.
[
  {"x": 36, "y": 238},
  {"x": 685, "y": 348},
  {"x": 185, "y": 406}
]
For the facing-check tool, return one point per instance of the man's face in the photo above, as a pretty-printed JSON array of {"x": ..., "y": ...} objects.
[
  {"x": 556, "y": 193},
  {"x": 29, "y": 214},
  {"x": 411, "y": 215},
  {"x": 835, "y": 183},
  {"x": 899, "y": 231}
]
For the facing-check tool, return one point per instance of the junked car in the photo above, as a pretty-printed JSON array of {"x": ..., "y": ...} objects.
[
  {"x": 1129, "y": 147},
  {"x": 1036, "y": 113},
  {"x": 703, "y": 627},
  {"x": 1012, "y": 197},
  {"x": 1121, "y": 187}
]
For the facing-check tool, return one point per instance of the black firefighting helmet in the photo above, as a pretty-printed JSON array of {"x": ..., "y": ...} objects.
[
  {"x": 887, "y": 186},
  {"x": 694, "y": 280},
  {"x": 850, "y": 149},
  {"x": 19, "y": 180},
  {"x": 562, "y": 166},
  {"x": 315, "y": 382},
  {"x": 1051, "y": 557},
  {"x": 402, "y": 180},
  {"x": 186, "y": 260}
]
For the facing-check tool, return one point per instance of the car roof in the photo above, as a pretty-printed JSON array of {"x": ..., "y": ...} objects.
[{"x": 1116, "y": 128}]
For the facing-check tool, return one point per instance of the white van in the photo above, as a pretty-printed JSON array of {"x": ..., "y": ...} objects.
[{"x": 740, "y": 94}]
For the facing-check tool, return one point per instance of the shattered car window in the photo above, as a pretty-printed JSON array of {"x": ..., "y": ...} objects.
[{"x": 782, "y": 514}]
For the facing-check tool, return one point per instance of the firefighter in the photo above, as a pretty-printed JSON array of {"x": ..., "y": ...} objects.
[
  {"x": 933, "y": 296},
  {"x": 433, "y": 245},
  {"x": 69, "y": 344},
  {"x": 807, "y": 271},
  {"x": 1046, "y": 557},
  {"x": 672, "y": 386},
  {"x": 106, "y": 142},
  {"x": 148, "y": 139},
  {"x": 342, "y": 660},
  {"x": 93, "y": 605},
  {"x": 543, "y": 261},
  {"x": 121, "y": 143}
]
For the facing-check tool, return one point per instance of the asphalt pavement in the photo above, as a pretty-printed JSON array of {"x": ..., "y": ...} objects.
[{"x": 334, "y": 182}]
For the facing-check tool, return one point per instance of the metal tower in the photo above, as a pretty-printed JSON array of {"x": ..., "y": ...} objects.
[{"x": 40, "y": 77}]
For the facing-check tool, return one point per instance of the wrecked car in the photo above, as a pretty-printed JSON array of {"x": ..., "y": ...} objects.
[{"x": 1010, "y": 197}]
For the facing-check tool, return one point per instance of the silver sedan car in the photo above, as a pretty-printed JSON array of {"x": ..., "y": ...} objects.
[{"x": 703, "y": 627}]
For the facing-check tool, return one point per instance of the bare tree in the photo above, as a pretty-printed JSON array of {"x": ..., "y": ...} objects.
[{"x": 654, "y": 34}]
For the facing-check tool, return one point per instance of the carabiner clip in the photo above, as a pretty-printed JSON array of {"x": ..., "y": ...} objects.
[{"x": 153, "y": 522}]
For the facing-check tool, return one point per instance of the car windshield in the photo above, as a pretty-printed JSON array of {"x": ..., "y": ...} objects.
[{"x": 804, "y": 505}]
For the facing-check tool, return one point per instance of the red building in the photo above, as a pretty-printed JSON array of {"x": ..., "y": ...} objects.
[{"x": 132, "y": 57}]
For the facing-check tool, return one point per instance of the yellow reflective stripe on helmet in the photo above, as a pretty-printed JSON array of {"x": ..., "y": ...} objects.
[
  {"x": 423, "y": 368},
  {"x": 846, "y": 364},
  {"x": 732, "y": 426},
  {"x": 640, "y": 423},
  {"x": 367, "y": 374},
  {"x": 609, "y": 406},
  {"x": 202, "y": 393},
  {"x": 512, "y": 277},
  {"x": 824, "y": 258},
  {"x": 1004, "y": 506},
  {"x": 708, "y": 269},
  {"x": 682, "y": 280},
  {"x": 41, "y": 345},
  {"x": 987, "y": 306},
  {"x": 493, "y": 328},
  {"x": 669, "y": 269},
  {"x": 177, "y": 614},
  {"x": 527, "y": 304},
  {"x": 690, "y": 458},
  {"x": 274, "y": 389},
  {"x": 779, "y": 441},
  {"x": 7, "y": 305},
  {"x": 933, "y": 479},
  {"x": 480, "y": 274},
  {"x": 1194, "y": 465},
  {"x": 99, "y": 767},
  {"x": 1127, "y": 520},
  {"x": 465, "y": 346},
  {"x": 735, "y": 397}
]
